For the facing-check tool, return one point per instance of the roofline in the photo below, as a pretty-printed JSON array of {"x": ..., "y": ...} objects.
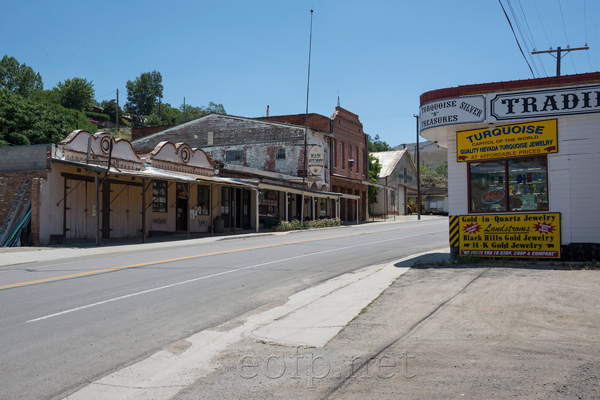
[
  {"x": 510, "y": 86},
  {"x": 228, "y": 116}
]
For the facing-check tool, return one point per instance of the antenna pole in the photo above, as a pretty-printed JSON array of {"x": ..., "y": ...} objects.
[{"x": 305, "y": 174}]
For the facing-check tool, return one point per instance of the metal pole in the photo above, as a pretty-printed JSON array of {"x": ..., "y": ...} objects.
[
  {"x": 97, "y": 184},
  {"x": 418, "y": 174},
  {"x": 305, "y": 174}
]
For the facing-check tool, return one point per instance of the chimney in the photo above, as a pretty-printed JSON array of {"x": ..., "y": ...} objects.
[{"x": 267, "y": 110}]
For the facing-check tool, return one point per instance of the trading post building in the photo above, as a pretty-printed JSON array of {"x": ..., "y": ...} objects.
[{"x": 523, "y": 165}]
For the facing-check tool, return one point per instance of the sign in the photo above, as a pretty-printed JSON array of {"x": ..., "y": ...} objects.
[
  {"x": 546, "y": 103},
  {"x": 496, "y": 107},
  {"x": 539, "y": 137},
  {"x": 315, "y": 160},
  {"x": 462, "y": 110},
  {"x": 510, "y": 235}
]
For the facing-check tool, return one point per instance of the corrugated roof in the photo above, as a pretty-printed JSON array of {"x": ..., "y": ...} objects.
[{"x": 388, "y": 161}]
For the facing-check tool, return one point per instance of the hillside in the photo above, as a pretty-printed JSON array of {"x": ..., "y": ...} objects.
[{"x": 430, "y": 155}]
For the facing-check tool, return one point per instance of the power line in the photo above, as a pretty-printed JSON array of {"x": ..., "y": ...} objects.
[{"x": 515, "y": 35}]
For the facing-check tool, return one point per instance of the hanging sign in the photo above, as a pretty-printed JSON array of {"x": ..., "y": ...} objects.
[
  {"x": 315, "y": 160},
  {"x": 510, "y": 235},
  {"x": 539, "y": 137}
]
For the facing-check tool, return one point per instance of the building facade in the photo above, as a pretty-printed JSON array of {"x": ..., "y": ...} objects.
[
  {"x": 522, "y": 162},
  {"x": 398, "y": 176},
  {"x": 348, "y": 157}
]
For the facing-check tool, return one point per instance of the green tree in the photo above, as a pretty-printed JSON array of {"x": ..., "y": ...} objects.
[
  {"x": 142, "y": 94},
  {"x": 189, "y": 113},
  {"x": 376, "y": 145},
  {"x": 19, "y": 78},
  {"x": 31, "y": 120},
  {"x": 374, "y": 170},
  {"x": 110, "y": 108},
  {"x": 163, "y": 114},
  {"x": 76, "y": 93}
]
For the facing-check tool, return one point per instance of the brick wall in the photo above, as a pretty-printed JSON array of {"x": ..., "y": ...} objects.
[
  {"x": 10, "y": 183},
  {"x": 348, "y": 132},
  {"x": 25, "y": 158},
  {"x": 225, "y": 130},
  {"x": 140, "y": 132}
]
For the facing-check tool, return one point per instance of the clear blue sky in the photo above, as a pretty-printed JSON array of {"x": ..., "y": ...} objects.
[{"x": 379, "y": 56}]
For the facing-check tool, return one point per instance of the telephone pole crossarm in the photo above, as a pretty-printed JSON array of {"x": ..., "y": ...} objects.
[{"x": 559, "y": 54}]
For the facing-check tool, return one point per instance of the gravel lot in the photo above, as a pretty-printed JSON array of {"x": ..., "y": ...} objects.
[{"x": 437, "y": 333}]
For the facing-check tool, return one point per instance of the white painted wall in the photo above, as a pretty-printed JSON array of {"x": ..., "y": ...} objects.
[{"x": 573, "y": 174}]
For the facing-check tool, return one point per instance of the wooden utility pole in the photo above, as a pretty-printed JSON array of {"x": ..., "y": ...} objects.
[
  {"x": 559, "y": 54},
  {"x": 117, "y": 110}
]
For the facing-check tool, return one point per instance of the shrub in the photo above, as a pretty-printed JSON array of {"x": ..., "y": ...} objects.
[{"x": 296, "y": 224}]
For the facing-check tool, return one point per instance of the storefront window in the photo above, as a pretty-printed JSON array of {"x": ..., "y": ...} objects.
[
  {"x": 267, "y": 203},
  {"x": 203, "y": 200},
  {"x": 159, "y": 196},
  {"x": 518, "y": 184}
]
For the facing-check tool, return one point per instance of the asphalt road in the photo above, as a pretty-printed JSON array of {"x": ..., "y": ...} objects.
[{"x": 69, "y": 322}]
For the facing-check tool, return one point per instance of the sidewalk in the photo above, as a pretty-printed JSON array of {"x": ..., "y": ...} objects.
[{"x": 83, "y": 248}]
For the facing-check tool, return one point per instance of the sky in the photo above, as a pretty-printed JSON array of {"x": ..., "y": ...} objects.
[{"x": 377, "y": 56}]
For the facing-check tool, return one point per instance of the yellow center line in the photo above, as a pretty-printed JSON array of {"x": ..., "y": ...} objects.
[{"x": 105, "y": 270}]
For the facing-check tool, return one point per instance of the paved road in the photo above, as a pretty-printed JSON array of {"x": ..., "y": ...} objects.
[{"x": 67, "y": 322}]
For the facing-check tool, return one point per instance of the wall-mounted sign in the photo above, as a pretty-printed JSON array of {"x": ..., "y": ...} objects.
[
  {"x": 496, "y": 107},
  {"x": 315, "y": 160},
  {"x": 545, "y": 103},
  {"x": 539, "y": 137},
  {"x": 463, "y": 110},
  {"x": 510, "y": 235}
]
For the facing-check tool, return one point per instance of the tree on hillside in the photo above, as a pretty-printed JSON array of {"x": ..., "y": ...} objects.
[
  {"x": 32, "y": 120},
  {"x": 374, "y": 170},
  {"x": 189, "y": 113},
  {"x": 142, "y": 94},
  {"x": 376, "y": 145},
  {"x": 110, "y": 108},
  {"x": 19, "y": 78},
  {"x": 76, "y": 93}
]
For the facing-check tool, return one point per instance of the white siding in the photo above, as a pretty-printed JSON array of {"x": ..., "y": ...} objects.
[
  {"x": 458, "y": 191},
  {"x": 574, "y": 174}
]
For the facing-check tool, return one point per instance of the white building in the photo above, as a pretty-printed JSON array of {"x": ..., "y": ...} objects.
[{"x": 523, "y": 158}]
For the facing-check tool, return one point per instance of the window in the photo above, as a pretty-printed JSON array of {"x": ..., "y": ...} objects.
[
  {"x": 335, "y": 161},
  {"x": 281, "y": 154},
  {"x": 267, "y": 203},
  {"x": 203, "y": 203},
  {"x": 343, "y": 154},
  {"x": 356, "y": 160},
  {"x": 159, "y": 196},
  {"x": 234, "y": 155},
  {"x": 518, "y": 184}
]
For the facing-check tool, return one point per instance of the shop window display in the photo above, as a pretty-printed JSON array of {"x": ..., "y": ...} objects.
[{"x": 518, "y": 184}]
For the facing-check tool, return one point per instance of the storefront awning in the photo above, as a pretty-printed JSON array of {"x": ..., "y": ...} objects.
[{"x": 306, "y": 192}]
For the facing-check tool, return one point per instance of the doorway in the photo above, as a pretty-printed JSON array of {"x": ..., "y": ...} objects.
[{"x": 181, "y": 207}]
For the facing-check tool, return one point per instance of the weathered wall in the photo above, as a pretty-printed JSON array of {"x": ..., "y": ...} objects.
[
  {"x": 218, "y": 130},
  {"x": 25, "y": 158}
]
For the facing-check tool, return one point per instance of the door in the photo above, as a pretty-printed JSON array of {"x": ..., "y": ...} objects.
[{"x": 182, "y": 207}]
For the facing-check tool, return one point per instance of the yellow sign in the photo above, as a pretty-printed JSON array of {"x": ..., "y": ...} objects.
[
  {"x": 539, "y": 137},
  {"x": 510, "y": 235}
]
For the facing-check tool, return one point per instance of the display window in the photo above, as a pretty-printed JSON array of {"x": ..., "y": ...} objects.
[
  {"x": 516, "y": 184},
  {"x": 268, "y": 205}
]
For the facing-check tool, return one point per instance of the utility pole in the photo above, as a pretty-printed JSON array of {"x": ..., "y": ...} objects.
[
  {"x": 305, "y": 174},
  {"x": 559, "y": 54},
  {"x": 117, "y": 110},
  {"x": 418, "y": 174}
]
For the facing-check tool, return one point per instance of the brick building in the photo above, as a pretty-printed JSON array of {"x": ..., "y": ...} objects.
[
  {"x": 271, "y": 153},
  {"x": 348, "y": 156}
]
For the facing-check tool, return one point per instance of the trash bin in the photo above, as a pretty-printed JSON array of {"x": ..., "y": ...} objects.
[{"x": 219, "y": 224}]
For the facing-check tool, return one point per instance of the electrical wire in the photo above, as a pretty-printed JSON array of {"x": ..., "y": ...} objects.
[
  {"x": 532, "y": 41},
  {"x": 516, "y": 39}
]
